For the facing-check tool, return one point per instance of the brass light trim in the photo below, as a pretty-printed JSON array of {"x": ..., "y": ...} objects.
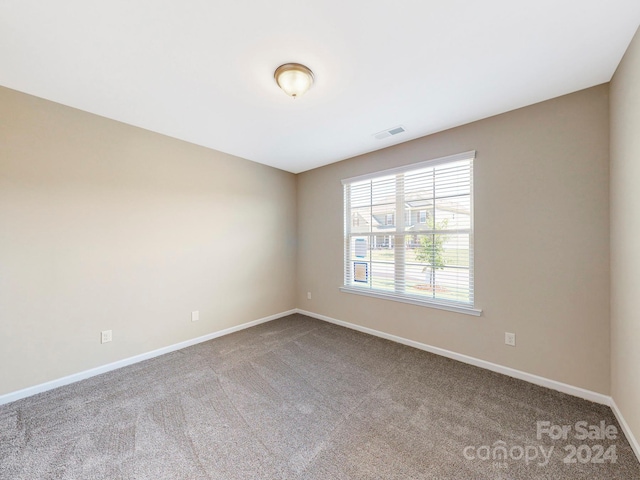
[{"x": 294, "y": 78}]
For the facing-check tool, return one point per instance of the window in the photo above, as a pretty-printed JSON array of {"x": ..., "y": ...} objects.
[{"x": 429, "y": 262}]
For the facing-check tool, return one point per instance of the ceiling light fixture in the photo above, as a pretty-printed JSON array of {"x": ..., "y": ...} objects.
[{"x": 293, "y": 78}]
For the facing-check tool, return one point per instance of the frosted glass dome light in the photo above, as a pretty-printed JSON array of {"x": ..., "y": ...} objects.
[{"x": 293, "y": 78}]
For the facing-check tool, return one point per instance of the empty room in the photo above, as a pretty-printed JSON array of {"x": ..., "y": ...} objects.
[{"x": 319, "y": 240}]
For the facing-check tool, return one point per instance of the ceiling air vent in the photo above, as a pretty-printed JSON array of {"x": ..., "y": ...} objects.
[{"x": 390, "y": 132}]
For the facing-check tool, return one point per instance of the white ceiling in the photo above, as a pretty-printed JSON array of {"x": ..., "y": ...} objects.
[{"x": 202, "y": 71}]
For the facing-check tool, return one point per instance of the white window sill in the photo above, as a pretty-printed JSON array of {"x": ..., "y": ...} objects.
[{"x": 413, "y": 301}]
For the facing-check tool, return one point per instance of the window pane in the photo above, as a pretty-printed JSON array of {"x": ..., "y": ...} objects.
[
  {"x": 443, "y": 284},
  {"x": 453, "y": 213},
  {"x": 383, "y": 217},
  {"x": 359, "y": 248},
  {"x": 383, "y": 248},
  {"x": 361, "y": 220},
  {"x": 419, "y": 185},
  {"x": 361, "y": 273},
  {"x": 419, "y": 282},
  {"x": 452, "y": 179},
  {"x": 422, "y": 215},
  {"x": 383, "y": 276},
  {"x": 456, "y": 250},
  {"x": 360, "y": 194},
  {"x": 383, "y": 190}
]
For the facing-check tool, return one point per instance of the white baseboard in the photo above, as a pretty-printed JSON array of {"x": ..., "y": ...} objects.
[
  {"x": 635, "y": 445},
  {"x": 76, "y": 377},
  {"x": 494, "y": 367}
]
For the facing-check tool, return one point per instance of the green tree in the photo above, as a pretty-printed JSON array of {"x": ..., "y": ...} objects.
[{"x": 431, "y": 250}]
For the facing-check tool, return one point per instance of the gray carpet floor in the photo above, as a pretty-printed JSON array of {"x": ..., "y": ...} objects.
[{"x": 297, "y": 398}]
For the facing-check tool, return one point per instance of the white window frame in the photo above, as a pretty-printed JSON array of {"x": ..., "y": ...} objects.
[{"x": 466, "y": 308}]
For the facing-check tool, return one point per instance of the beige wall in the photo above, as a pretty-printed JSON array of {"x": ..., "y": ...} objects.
[
  {"x": 107, "y": 226},
  {"x": 625, "y": 236},
  {"x": 541, "y": 241}
]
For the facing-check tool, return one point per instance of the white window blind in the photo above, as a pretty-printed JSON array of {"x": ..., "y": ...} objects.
[{"x": 425, "y": 254}]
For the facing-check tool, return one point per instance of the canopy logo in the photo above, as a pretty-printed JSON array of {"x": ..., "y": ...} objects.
[{"x": 499, "y": 452}]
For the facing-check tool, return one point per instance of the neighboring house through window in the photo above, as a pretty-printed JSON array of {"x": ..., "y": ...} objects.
[{"x": 423, "y": 252}]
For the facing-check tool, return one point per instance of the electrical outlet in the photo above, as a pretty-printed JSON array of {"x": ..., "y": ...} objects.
[
  {"x": 510, "y": 339},
  {"x": 308, "y": 295},
  {"x": 195, "y": 316},
  {"x": 106, "y": 336}
]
